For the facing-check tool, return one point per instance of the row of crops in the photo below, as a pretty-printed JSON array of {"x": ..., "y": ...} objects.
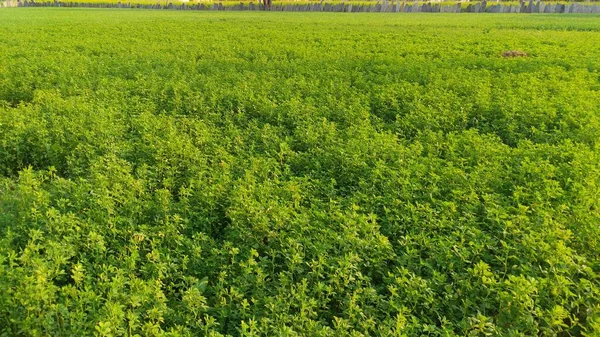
[{"x": 172, "y": 173}]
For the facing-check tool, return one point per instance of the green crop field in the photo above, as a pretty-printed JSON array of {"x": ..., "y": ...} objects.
[{"x": 169, "y": 173}]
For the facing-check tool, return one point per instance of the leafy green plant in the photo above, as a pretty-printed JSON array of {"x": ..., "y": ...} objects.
[{"x": 195, "y": 174}]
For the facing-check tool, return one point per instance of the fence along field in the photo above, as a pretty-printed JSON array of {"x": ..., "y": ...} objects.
[
  {"x": 386, "y": 6},
  {"x": 187, "y": 173}
]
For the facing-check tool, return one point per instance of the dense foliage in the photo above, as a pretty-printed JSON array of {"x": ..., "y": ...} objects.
[{"x": 285, "y": 174}]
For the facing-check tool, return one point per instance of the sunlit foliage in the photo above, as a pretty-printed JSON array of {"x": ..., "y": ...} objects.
[{"x": 287, "y": 174}]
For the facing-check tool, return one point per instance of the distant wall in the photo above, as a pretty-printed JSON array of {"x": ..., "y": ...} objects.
[{"x": 386, "y": 6}]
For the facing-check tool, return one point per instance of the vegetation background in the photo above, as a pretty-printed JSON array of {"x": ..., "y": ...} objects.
[{"x": 283, "y": 174}]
